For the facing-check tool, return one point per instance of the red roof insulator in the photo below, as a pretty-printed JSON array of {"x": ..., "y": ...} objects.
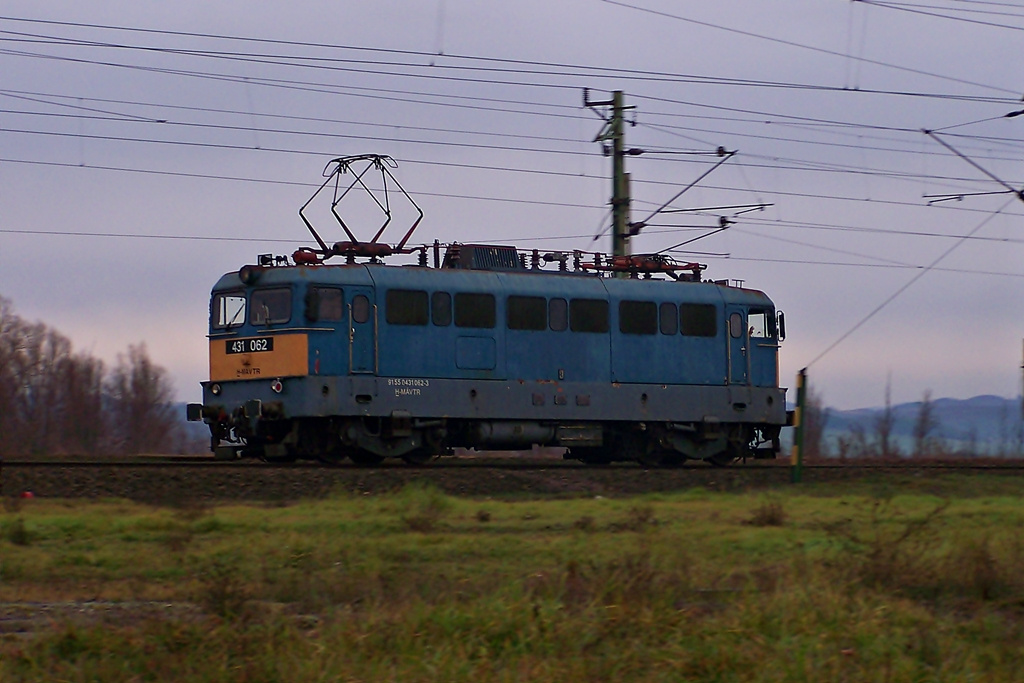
[{"x": 305, "y": 256}]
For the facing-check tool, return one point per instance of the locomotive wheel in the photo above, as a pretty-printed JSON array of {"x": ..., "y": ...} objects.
[{"x": 365, "y": 458}]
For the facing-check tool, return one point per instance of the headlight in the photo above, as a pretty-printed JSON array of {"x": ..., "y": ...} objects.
[
  {"x": 215, "y": 389},
  {"x": 277, "y": 386}
]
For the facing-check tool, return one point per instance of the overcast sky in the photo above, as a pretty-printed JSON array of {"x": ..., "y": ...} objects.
[{"x": 148, "y": 147}]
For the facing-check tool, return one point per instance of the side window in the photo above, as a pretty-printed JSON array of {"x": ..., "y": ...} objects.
[
  {"x": 325, "y": 303},
  {"x": 405, "y": 307},
  {"x": 474, "y": 310},
  {"x": 638, "y": 317},
  {"x": 271, "y": 306},
  {"x": 699, "y": 320},
  {"x": 360, "y": 308},
  {"x": 441, "y": 308},
  {"x": 668, "y": 319},
  {"x": 227, "y": 310},
  {"x": 736, "y": 325},
  {"x": 588, "y": 315},
  {"x": 558, "y": 315},
  {"x": 527, "y": 313},
  {"x": 760, "y": 324}
]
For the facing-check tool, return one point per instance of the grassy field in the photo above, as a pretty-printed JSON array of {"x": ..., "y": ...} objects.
[{"x": 902, "y": 580}]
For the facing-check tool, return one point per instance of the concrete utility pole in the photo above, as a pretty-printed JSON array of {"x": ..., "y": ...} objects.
[{"x": 613, "y": 132}]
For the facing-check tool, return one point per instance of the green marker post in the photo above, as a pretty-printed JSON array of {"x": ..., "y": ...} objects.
[{"x": 797, "y": 460}]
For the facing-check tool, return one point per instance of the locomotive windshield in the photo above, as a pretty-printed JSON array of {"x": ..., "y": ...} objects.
[
  {"x": 228, "y": 310},
  {"x": 271, "y": 306}
]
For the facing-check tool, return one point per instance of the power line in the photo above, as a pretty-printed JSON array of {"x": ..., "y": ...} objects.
[
  {"x": 923, "y": 12},
  {"x": 491, "y": 167},
  {"x": 967, "y": 10},
  {"x": 799, "y": 225},
  {"x": 907, "y": 285},
  {"x": 281, "y": 131},
  {"x": 207, "y": 176},
  {"x": 672, "y": 130},
  {"x": 535, "y": 68},
  {"x": 665, "y": 128},
  {"x": 799, "y": 165},
  {"x": 847, "y": 264},
  {"x": 39, "y": 98},
  {"x": 834, "y": 250},
  {"x": 272, "y": 240},
  {"x": 812, "y": 48}
]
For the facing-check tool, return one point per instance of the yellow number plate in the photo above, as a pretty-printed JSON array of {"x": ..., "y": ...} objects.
[{"x": 265, "y": 357}]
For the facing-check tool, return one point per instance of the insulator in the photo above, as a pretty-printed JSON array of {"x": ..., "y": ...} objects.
[
  {"x": 423, "y": 257},
  {"x": 522, "y": 261},
  {"x": 563, "y": 264},
  {"x": 576, "y": 260},
  {"x": 535, "y": 260}
]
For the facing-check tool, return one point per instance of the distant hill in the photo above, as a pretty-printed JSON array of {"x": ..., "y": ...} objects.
[{"x": 983, "y": 425}]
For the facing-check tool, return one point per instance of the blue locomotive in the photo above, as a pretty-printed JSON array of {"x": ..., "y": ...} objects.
[{"x": 628, "y": 358}]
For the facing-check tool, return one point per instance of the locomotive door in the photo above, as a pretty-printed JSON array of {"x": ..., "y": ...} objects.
[
  {"x": 739, "y": 345},
  {"x": 362, "y": 330}
]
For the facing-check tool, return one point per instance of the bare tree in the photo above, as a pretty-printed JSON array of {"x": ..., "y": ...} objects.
[
  {"x": 139, "y": 394},
  {"x": 55, "y": 401},
  {"x": 10, "y": 426},
  {"x": 31, "y": 393},
  {"x": 83, "y": 424},
  {"x": 924, "y": 425},
  {"x": 884, "y": 424},
  {"x": 46, "y": 352}
]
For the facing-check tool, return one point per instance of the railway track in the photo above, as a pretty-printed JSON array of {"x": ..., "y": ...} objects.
[
  {"x": 178, "y": 482},
  {"x": 507, "y": 463}
]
